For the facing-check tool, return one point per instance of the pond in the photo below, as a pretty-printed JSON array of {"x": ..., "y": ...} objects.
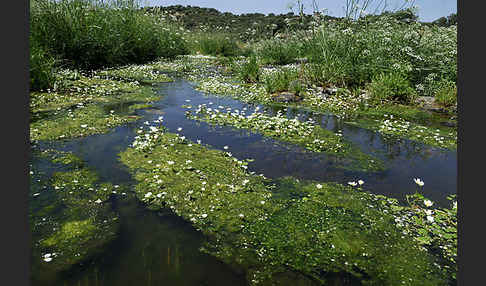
[{"x": 158, "y": 248}]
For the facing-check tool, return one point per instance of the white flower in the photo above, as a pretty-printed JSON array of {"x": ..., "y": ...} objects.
[
  {"x": 153, "y": 129},
  {"x": 430, "y": 218},
  {"x": 352, "y": 183},
  {"x": 47, "y": 259},
  {"x": 204, "y": 215},
  {"x": 360, "y": 182},
  {"x": 319, "y": 186},
  {"x": 98, "y": 201},
  {"x": 262, "y": 202},
  {"x": 84, "y": 125},
  {"x": 418, "y": 182},
  {"x": 242, "y": 215},
  {"x": 225, "y": 147},
  {"x": 147, "y": 195},
  {"x": 428, "y": 203},
  {"x": 159, "y": 195},
  {"x": 170, "y": 162},
  {"x": 179, "y": 129}
]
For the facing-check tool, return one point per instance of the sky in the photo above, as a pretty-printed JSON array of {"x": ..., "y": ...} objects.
[{"x": 428, "y": 10}]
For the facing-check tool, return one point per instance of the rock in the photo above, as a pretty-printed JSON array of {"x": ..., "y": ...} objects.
[
  {"x": 449, "y": 123},
  {"x": 286, "y": 97},
  {"x": 428, "y": 103},
  {"x": 329, "y": 91},
  {"x": 301, "y": 60}
]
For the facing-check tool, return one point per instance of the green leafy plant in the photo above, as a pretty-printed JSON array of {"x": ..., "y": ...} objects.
[
  {"x": 249, "y": 71},
  {"x": 446, "y": 95},
  {"x": 282, "y": 80},
  {"x": 391, "y": 87}
]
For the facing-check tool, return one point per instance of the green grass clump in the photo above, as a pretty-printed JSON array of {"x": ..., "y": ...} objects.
[
  {"x": 249, "y": 71},
  {"x": 41, "y": 68},
  {"x": 278, "y": 52},
  {"x": 218, "y": 44},
  {"x": 95, "y": 34},
  {"x": 285, "y": 79},
  {"x": 446, "y": 94},
  {"x": 391, "y": 87}
]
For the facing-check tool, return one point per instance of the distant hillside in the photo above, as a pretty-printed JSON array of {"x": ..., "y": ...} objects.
[
  {"x": 248, "y": 26},
  {"x": 254, "y": 26}
]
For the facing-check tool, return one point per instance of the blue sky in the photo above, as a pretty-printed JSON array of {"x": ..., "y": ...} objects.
[{"x": 428, "y": 10}]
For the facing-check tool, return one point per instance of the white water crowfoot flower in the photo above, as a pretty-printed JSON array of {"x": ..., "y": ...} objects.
[
  {"x": 360, "y": 182},
  {"x": 430, "y": 218},
  {"x": 419, "y": 182},
  {"x": 352, "y": 184},
  {"x": 319, "y": 186},
  {"x": 428, "y": 203}
]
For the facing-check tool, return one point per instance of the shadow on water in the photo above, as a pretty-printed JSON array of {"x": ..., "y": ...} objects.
[
  {"x": 161, "y": 249},
  {"x": 151, "y": 248}
]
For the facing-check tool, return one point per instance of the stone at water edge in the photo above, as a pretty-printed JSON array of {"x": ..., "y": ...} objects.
[{"x": 286, "y": 97}]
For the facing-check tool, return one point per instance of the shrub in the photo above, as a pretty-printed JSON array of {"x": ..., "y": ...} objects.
[
  {"x": 217, "y": 45},
  {"x": 95, "y": 34},
  {"x": 447, "y": 94},
  {"x": 278, "y": 52},
  {"x": 41, "y": 66},
  {"x": 285, "y": 79},
  {"x": 391, "y": 87},
  {"x": 249, "y": 71}
]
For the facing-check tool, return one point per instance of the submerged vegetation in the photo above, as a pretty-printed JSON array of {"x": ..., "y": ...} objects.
[
  {"x": 255, "y": 224},
  {"x": 94, "y": 64},
  {"x": 304, "y": 133},
  {"x": 69, "y": 218}
]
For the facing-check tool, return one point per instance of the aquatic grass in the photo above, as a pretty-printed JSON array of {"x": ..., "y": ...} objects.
[
  {"x": 141, "y": 73},
  {"x": 249, "y": 225},
  {"x": 70, "y": 223},
  {"x": 399, "y": 128},
  {"x": 74, "y": 88},
  {"x": 303, "y": 133},
  {"x": 83, "y": 121}
]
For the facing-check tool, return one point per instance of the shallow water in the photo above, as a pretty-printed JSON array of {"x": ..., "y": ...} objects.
[{"x": 154, "y": 249}]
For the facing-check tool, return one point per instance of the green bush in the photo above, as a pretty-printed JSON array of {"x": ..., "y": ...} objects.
[
  {"x": 41, "y": 66},
  {"x": 285, "y": 79},
  {"x": 249, "y": 71},
  {"x": 391, "y": 87},
  {"x": 94, "y": 34},
  {"x": 217, "y": 45},
  {"x": 447, "y": 94},
  {"x": 278, "y": 52}
]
